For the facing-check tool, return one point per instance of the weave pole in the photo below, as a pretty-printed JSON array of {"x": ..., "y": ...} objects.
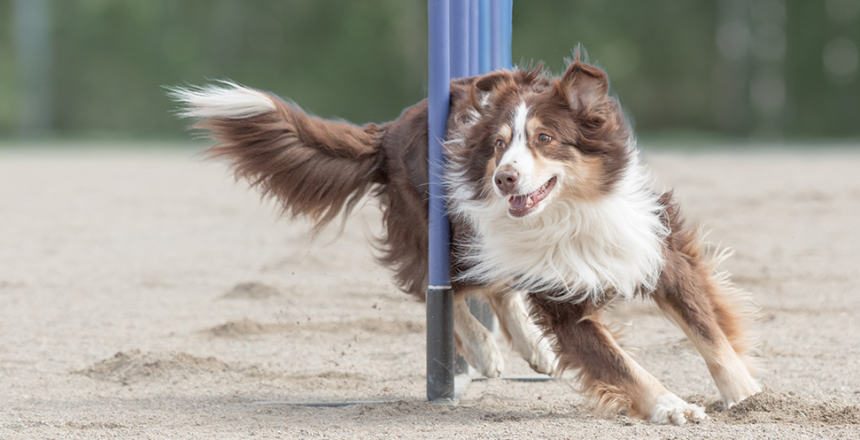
[
  {"x": 462, "y": 51},
  {"x": 440, "y": 297},
  {"x": 460, "y": 31}
]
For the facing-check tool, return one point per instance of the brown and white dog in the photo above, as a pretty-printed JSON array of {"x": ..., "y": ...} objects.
[{"x": 549, "y": 201}]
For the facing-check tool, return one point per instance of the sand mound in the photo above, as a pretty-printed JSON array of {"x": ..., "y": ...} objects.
[
  {"x": 134, "y": 366},
  {"x": 247, "y": 327},
  {"x": 775, "y": 407},
  {"x": 252, "y": 290}
]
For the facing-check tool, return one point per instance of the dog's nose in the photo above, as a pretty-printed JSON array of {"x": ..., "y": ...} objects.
[{"x": 506, "y": 180}]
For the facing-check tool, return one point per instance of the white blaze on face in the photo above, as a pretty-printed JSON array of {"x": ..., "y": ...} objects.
[{"x": 518, "y": 156}]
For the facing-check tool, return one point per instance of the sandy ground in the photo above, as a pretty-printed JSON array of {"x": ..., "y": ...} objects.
[{"x": 144, "y": 294}]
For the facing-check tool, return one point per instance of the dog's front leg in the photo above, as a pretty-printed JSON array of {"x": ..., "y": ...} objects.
[
  {"x": 524, "y": 336},
  {"x": 607, "y": 376},
  {"x": 475, "y": 342}
]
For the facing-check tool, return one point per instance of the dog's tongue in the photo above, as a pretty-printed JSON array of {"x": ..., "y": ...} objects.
[{"x": 519, "y": 202}]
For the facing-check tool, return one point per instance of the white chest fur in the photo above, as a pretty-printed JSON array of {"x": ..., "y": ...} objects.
[{"x": 580, "y": 250}]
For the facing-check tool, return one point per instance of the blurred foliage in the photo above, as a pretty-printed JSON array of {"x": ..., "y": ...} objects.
[
  {"x": 8, "y": 77},
  {"x": 658, "y": 54},
  {"x": 366, "y": 60}
]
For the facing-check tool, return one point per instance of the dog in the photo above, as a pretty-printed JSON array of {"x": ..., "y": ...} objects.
[{"x": 553, "y": 218}]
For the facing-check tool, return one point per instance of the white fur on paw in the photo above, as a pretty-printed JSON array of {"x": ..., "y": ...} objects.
[
  {"x": 486, "y": 357},
  {"x": 739, "y": 396},
  {"x": 543, "y": 360},
  {"x": 671, "y": 409},
  {"x": 492, "y": 365},
  {"x": 735, "y": 382}
]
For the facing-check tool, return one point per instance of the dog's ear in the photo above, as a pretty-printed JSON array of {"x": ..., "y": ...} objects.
[
  {"x": 490, "y": 81},
  {"x": 586, "y": 89},
  {"x": 485, "y": 86},
  {"x": 586, "y": 86}
]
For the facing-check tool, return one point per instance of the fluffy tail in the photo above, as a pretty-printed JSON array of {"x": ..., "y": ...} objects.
[{"x": 312, "y": 167}]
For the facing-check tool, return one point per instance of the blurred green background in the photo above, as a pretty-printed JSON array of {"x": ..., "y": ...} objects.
[{"x": 713, "y": 69}]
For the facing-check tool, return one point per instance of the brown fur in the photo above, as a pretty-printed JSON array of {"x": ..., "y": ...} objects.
[
  {"x": 585, "y": 344},
  {"x": 691, "y": 288},
  {"x": 600, "y": 132},
  {"x": 311, "y": 167},
  {"x": 689, "y": 292},
  {"x": 321, "y": 169}
]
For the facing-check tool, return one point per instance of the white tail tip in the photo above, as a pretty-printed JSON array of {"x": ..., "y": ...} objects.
[{"x": 229, "y": 100}]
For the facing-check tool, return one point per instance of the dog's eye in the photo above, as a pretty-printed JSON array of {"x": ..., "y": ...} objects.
[
  {"x": 544, "y": 138},
  {"x": 500, "y": 143}
]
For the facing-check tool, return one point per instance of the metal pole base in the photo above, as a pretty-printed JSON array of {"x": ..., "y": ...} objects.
[{"x": 440, "y": 345}]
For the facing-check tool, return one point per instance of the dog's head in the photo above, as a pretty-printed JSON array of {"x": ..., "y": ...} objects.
[{"x": 537, "y": 139}]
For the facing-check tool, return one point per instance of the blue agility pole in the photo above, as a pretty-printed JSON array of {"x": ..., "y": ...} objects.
[
  {"x": 460, "y": 21},
  {"x": 489, "y": 46},
  {"x": 483, "y": 37},
  {"x": 474, "y": 46},
  {"x": 463, "y": 41},
  {"x": 495, "y": 35},
  {"x": 506, "y": 21},
  {"x": 462, "y": 52},
  {"x": 440, "y": 297}
]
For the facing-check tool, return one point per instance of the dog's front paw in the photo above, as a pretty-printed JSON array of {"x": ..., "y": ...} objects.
[
  {"x": 542, "y": 358},
  {"x": 740, "y": 395},
  {"x": 734, "y": 380},
  {"x": 671, "y": 409},
  {"x": 737, "y": 387},
  {"x": 490, "y": 362},
  {"x": 484, "y": 355}
]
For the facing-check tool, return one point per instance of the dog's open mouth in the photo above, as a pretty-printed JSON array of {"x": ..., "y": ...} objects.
[{"x": 525, "y": 204}]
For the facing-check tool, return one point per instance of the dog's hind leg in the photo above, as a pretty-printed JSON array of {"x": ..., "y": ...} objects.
[
  {"x": 475, "y": 342},
  {"x": 707, "y": 308},
  {"x": 712, "y": 316},
  {"x": 607, "y": 375},
  {"x": 524, "y": 336}
]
